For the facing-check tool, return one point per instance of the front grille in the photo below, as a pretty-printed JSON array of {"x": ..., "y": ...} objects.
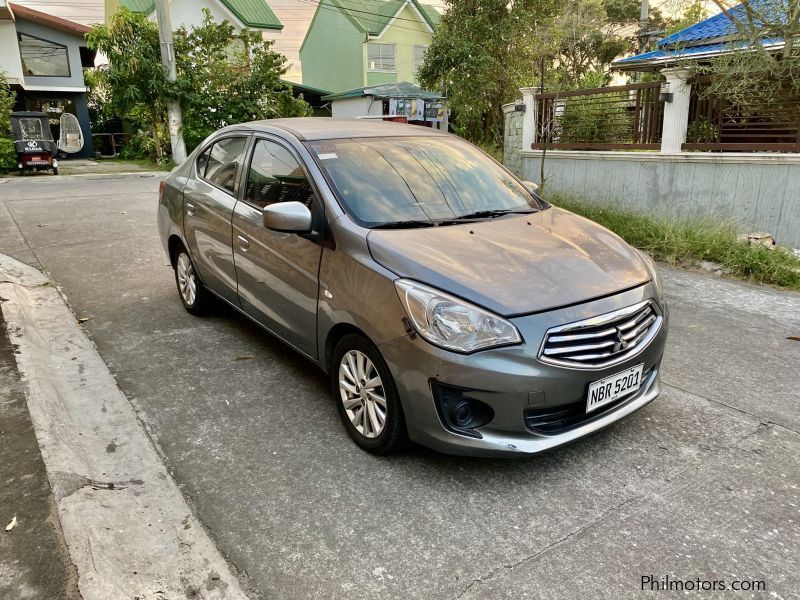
[{"x": 602, "y": 341}]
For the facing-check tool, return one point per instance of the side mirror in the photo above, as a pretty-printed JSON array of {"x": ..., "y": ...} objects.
[
  {"x": 531, "y": 185},
  {"x": 288, "y": 217}
]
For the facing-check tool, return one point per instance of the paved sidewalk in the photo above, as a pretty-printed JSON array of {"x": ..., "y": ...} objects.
[{"x": 34, "y": 562}]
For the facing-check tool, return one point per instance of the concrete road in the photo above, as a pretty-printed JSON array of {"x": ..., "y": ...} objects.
[{"x": 702, "y": 484}]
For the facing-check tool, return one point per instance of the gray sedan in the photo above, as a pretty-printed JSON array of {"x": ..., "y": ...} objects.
[{"x": 449, "y": 303}]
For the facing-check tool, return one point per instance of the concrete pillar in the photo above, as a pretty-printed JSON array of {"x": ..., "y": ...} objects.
[
  {"x": 676, "y": 112},
  {"x": 529, "y": 119}
]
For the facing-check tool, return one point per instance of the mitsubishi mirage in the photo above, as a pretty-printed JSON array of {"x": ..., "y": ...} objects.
[{"x": 448, "y": 302}]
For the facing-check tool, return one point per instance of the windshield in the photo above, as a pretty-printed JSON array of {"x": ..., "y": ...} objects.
[
  {"x": 418, "y": 180},
  {"x": 31, "y": 129}
]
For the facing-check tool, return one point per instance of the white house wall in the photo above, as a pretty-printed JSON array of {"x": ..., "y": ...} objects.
[
  {"x": 10, "y": 62},
  {"x": 350, "y": 108}
]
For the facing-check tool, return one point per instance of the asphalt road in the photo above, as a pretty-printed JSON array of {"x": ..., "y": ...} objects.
[{"x": 703, "y": 483}]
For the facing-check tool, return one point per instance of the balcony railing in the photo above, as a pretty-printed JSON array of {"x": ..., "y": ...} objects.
[
  {"x": 624, "y": 117},
  {"x": 766, "y": 122}
]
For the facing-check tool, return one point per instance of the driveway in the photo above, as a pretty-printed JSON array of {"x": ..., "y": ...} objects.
[{"x": 700, "y": 485}]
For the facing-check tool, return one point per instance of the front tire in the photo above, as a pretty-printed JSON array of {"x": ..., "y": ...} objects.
[
  {"x": 195, "y": 297},
  {"x": 366, "y": 396}
]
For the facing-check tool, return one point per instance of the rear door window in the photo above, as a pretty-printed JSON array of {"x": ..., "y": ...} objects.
[{"x": 223, "y": 162}]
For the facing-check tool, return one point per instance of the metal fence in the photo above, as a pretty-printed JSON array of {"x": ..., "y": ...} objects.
[
  {"x": 767, "y": 122},
  {"x": 624, "y": 117}
]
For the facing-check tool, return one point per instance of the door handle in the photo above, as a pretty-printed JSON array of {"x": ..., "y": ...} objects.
[
  {"x": 244, "y": 243},
  {"x": 189, "y": 209}
]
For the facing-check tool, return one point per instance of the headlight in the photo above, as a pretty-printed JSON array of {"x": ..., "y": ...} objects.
[
  {"x": 656, "y": 277},
  {"x": 451, "y": 323}
]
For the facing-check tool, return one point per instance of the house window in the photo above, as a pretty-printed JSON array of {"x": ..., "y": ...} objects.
[
  {"x": 419, "y": 57},
  {"x": 380, "y": 57},
  {"x": 41, "y": 58}
]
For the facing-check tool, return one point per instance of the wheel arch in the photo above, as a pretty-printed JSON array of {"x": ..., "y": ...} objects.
[
  {"x": 174, "y": 243},
  {"x": 336, "y": 333}
]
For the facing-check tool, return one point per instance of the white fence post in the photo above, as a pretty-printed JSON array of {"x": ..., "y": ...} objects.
[
  {"x": 676, "y": 111},
  {"x": 529, "y": 118}
]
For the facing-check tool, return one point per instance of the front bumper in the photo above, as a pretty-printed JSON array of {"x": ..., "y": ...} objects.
[{"x": 514, "y": 383}]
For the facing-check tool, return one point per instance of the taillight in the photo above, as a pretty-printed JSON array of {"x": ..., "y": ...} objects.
[{"x": 161, "y": 190}]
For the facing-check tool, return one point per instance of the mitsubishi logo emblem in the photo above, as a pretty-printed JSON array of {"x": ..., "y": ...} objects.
[{"x": 620, "y": 344}]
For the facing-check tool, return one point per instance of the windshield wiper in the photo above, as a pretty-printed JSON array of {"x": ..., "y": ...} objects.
[
  {"x": 490, "y": 214},
  {"x": 404, "y": 225}
]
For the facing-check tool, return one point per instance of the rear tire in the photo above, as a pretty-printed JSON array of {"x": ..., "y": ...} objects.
[
  {"x": 366, "y": 396},
  {"x": 195, "y": 297}
]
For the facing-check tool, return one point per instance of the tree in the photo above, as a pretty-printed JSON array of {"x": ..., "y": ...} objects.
[
  {"x": 481, "y": 53},
  {"x": 227, "y": 77},
  {"x": 135, "y": 77},
  {"x": 8, "y": 158},
  {"x": 7, "y": 101}
]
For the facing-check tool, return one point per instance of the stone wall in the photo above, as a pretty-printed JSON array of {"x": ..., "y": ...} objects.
[
  {"x": 755, "y": 192},
  {"x": 512, "y": 138}
]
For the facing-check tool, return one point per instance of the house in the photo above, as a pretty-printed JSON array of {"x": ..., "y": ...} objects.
[
  {"x": 357, "y": 43},
  {"x": 43, "y": 57},
  {"x": 702, "y": 41},
  {"x": 673, "y": 146},
  {"x": 255, "y": 15},
  {"x": 402, "y": 101},
  {"x": 251, "y": 14}
]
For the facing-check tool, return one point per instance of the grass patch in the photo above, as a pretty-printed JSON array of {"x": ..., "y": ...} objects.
[
  {"x": 686, "y": 242},
  {"x": 146, "y": 163}
]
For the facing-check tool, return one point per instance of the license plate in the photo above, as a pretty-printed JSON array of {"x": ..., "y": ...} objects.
[{"x": 612, "y": 388}]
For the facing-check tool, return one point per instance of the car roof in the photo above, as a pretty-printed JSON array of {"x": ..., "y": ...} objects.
[{"x": 327, "y": 128}]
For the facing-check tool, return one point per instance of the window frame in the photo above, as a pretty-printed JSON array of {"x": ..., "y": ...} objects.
[
  {"x": 320, "y": 233},
  {"x": 394, "y": 58},
  {"x": 237, "y": 181},
  {"x": 414, "y": 64},
  {"x": 35, "y": 37},
  {"x": 283, "y": 144}
]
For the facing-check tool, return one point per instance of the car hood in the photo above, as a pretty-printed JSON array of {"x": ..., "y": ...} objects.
[{"x": 514, "y": 265}]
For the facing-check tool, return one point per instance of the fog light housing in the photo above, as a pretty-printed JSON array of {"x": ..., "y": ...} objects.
[{"x": 458, "y": 412}]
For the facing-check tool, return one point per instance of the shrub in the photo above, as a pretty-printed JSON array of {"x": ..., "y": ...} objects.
[{"x": 8, "y": 156}]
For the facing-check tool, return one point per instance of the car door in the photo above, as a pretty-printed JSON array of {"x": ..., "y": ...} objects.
[
  {"x": 278, "y": 273},
  {"x": 209, "y": 199}
]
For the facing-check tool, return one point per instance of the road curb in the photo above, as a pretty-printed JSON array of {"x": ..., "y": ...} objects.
[
  {"x": 119, "y": 175},
  {"x": 129, "y": 530}
]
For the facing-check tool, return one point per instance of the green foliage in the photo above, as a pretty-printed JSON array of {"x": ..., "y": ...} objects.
[
  {"x": 7, "y": 99},
  {"x": 685, "y": 242},
  {"x": 135, "y": 78},
  {"x": 227, "y": 77},
  {"x": 582, "y": 41},
  {"x": 135, "y": 75},
  {"x": 701, "y": 131},
  {"x": 598, "y": 119},
  {"x": 694, "y": 12},
  {"x": 98, "y": 97},
  {"x": 481, "y": 53},
  {"x": 8, "y": 155}
]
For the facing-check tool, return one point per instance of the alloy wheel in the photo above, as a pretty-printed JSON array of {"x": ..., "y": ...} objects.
[
  {"x": 187, "y": 281},
  {"x": 362, "y": 394}
]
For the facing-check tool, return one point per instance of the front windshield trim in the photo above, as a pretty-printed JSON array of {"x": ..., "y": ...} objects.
[{"x": 534, "y": 202}]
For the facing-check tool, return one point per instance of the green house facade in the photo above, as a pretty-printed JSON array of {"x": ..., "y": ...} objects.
[{"x": 356, "y": 43}]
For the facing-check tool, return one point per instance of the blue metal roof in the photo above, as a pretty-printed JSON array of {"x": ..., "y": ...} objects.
[
  {"x": 697, "y": 39},
  {"x": 662, "y": 55}
]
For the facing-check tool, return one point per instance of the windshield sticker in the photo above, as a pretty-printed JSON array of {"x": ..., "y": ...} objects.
[{"x": 327, "y": 156}]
